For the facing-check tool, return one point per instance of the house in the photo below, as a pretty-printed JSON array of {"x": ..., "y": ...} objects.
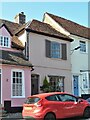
[
  {"x": 80, "y": 48},
  {"x": 49, "y": 52},
  {"x": 15, "y": 69}
]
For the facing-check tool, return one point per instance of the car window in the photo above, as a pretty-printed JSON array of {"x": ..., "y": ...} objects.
[
  {"x": 32, "y": 100},
  {"x": 69, "y": 98},
  {"x": 52, "y": 98}
]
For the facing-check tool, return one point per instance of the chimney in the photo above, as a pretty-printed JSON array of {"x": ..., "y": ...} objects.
[{"x": 20, "y": 18}]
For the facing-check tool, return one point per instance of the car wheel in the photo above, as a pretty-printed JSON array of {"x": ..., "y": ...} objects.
[
  {"x": 50, "y": 116},
  {"x": 86, "y": 113}
]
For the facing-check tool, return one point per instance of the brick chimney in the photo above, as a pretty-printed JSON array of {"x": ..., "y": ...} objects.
[{"x": 20, "y": 18}]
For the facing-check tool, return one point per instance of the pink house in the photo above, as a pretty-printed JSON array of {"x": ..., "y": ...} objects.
[{"x": 15, "y": 70}]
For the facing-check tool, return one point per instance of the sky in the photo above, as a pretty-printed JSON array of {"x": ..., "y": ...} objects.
[{"x": 74, "y": 11}]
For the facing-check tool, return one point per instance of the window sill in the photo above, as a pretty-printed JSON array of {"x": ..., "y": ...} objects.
[
  {"x": 57, "y": 59},
  {"x": 83, "y": 52},
  {"x": 17, "y": 96}
]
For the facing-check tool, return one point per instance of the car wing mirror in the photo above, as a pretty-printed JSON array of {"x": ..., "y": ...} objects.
[{"x": 79, "y": 100}]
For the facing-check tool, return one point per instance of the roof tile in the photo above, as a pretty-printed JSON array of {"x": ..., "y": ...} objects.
[{"x": 72, "y": 27}]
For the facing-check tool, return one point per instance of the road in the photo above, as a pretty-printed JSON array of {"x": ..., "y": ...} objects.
[{"x": 18, "y": 116}]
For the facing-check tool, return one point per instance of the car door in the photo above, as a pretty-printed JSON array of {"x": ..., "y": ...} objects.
[
  {"x": 55, "y": 105},
  {"x": 70, "y": 105}
]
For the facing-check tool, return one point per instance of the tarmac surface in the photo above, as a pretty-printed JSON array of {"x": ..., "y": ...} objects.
[{"x": 18, "y": 116}]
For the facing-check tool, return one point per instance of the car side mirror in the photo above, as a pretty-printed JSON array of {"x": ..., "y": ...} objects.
[{"x": 79, "y": 101}]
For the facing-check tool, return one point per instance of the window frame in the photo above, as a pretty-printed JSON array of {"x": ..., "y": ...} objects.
[
  {"x": 69, "y": 100},
  {"x": 61, "y": 52},
  {"x": 83, "y": 46},
  {"x": 89, "y": 80},
  {"x": 85, "y": 78},
  {"x": 7, "y": 45},
  {"x": 55, "y": 50},
  {"x": 23, "y": 84},
  {"x": 57, "y": 83}
]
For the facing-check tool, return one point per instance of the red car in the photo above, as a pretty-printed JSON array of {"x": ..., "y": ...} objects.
[{"x": 55, "y": 105}]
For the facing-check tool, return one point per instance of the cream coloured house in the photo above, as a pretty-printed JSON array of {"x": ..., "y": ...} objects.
[
  {"x": 49, "y": 52},
  {"x": 79, "y": 51}
]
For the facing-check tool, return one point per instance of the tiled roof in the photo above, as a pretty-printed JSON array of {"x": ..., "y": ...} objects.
[
  {"x": 46, "y": 29},
  {"x": 16, "y": 43},
  {"x": 13, "y": 58},
  {"x": 72, "y": 27},
  {"x": 12, "y": 27}
]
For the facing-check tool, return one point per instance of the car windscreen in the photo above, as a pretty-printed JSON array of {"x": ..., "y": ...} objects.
[{"x": 32, "y": 100}]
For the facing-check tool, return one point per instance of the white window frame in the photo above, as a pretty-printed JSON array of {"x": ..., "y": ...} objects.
[
  {"x": 23, "y": 83},
  {"x": 85, "y": 45},
  {"x": 8, "y": 45},
  {"x": 89, "y": 80},
  {"x": 85, "y": 80},
  {"x": 54, "y": 50}
]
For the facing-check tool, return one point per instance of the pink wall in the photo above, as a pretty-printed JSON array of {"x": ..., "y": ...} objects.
[
  {"x": 6, "y": 77},
  {"x": 4, "y": 32},
  {"x": 6, "y": 83}
]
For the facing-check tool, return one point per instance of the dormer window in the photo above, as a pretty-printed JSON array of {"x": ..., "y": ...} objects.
[{"x": 4, "y": 41}]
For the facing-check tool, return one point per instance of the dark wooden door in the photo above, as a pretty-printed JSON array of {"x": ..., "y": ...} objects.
[{"x": 34, "y": 84}]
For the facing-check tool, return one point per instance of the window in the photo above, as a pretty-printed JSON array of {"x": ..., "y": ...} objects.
[
  {"x": 67, "y": 98},
  {"x": 4, "y": 41},
  {"x": 85, "y": 80},
  {"x": 57, "y": 83},
  {"x": 89, "y": 80},
  {"x": 56, "y": 50},
  {"x": 17, "y": 83},
  {"x": 32, "y": 100},
  {"x": 82, "y": 46},
  {"x": 52, "y": 98}
]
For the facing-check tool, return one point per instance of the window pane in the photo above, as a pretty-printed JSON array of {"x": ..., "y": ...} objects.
[
  {"x": 89, "y": 80},
  {"x": 57, "y": 83},
  {"x": 82, "y": 46},
  {"x": 85, "y": 82},
  {"x": 17, "y": 84},
  {"x": 55, "y": 50},
  {"x": 4, "y": 41},
  {"x": 1, "y": 40},
  {"x": 13, "y": 74}
]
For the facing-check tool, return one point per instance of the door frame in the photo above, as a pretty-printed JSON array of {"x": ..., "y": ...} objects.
[
  {"x": 77, "y": 83},
  {"x": 37, "y": 78}
]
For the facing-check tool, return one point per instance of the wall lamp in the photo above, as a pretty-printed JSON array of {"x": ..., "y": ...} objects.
[{"x": 76, "y": 48}]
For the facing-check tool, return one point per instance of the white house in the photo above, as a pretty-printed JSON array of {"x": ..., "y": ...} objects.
[{"x": 79, "y": 51}]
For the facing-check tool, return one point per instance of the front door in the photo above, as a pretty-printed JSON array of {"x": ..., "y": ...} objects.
[
  {"x": 0, "y": 86},
  {"x": 34, "y": 84},
  {"x": 75, "y": 85}
]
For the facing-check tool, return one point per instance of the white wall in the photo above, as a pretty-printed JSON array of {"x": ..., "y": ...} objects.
[
  {"x": 79, "y": 61},
  {"x": 23, "y": 38}
]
